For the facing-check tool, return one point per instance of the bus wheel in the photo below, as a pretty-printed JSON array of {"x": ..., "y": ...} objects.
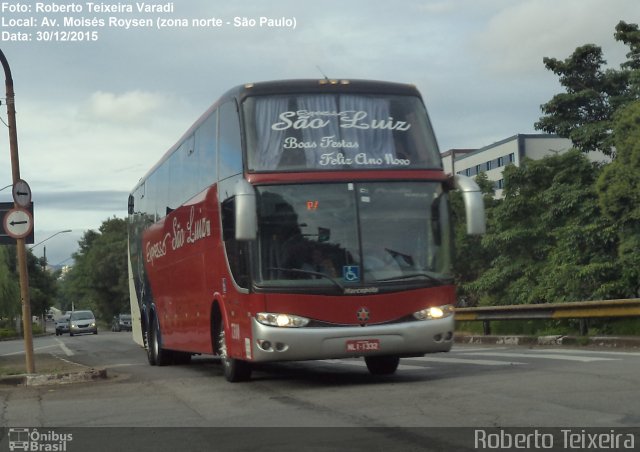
[
  {"x": 382, "y": 365},
  {"x": 146, "y": 336},
  {"x": 234, "y": 369},
  {"x": 155, "y": 353}
]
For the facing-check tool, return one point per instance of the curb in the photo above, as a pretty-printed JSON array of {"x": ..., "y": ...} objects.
[
  {"x": 594, "y": 341},
  {"x": 51, "y": 370},
  {"x": 66, "y": 378},
  {"x": 54, "y": 379}
]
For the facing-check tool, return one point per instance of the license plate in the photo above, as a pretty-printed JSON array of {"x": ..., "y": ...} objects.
[{"x": 363, "y": 345}]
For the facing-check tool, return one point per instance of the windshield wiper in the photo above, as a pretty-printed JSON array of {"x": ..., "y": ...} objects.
[
  {"x": 309, "y": 272},
  {"x": 432, "y": 278}
]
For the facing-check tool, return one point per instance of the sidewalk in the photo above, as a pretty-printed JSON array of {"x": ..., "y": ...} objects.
[{"x": 50, "y": 369}]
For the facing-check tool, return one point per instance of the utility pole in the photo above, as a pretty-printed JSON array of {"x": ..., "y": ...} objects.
[{"x": 20, "y": 242}]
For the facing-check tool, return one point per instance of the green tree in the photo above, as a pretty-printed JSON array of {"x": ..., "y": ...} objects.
[
  {"x": 548, "y": 239},
  {"x": 584, "y": 112},
  {"x": 42, "y": 284},
  {"x": 629, "y": 34},
  {"x": 471, "y": 258},
  {"x": 567, "y": 229},
  {"x": 9, "y": 289},
  {"x": 98, "y": 280},
  {"x": 619, "y": 196}
]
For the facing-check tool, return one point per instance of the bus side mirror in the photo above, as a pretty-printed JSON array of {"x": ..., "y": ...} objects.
[
  {"x": 246, "y": 216},
  {"x": 473, "y": 204}
]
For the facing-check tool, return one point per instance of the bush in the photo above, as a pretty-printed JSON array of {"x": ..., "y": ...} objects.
[{"x": 7, "y": 332}]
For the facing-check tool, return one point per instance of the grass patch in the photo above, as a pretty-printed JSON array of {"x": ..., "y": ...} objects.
[{"x": 44, "y": 364}]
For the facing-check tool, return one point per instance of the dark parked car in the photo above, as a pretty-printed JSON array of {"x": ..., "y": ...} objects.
[
  {"x": 62, "y": 325},
  {"x": 121, "y": 322},
  {"x": 82, "y": 322}
]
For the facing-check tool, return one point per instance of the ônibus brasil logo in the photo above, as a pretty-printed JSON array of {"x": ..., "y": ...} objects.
[{"x": 34, "y": 440}]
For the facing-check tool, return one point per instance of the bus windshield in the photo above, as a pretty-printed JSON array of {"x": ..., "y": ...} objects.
[
  {"x": 311, "y": 132},
  {"x": 353, "y": 234}
]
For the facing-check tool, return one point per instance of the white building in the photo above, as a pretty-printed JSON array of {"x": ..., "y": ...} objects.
[{"x": 494, "y": 158}]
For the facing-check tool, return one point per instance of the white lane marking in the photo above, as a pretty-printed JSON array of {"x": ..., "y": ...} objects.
[
  {"x": 21, "y": 352},
  {"x": 64, "y": 348},
  {"x": 476, "y": 362},
  {"x": 463, "y": 350},
  {"x": 594, "y": 352},
  {"x": 536, "y": 355}
]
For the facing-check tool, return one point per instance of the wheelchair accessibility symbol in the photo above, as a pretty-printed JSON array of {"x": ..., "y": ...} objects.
[{"x": 351, "y": 273}]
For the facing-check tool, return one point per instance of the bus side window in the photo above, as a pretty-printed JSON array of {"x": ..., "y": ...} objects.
[
  {"x": 237, "y": 252},
  {"x": 205, "y": 145},
  {"x": 229, "y": 142}
]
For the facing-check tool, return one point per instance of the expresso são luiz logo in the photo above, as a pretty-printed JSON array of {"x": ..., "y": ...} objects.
[{"x": 35, "y": 440}]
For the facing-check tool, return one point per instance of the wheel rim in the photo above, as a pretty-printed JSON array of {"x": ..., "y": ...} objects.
[
  {"x": 222, "y": 347},
  {"x": 156, "y": 345}
]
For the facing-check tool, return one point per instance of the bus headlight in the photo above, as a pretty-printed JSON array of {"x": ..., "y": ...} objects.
[
  {"x": 434, "y": 312},
  {"x": 281, "y": 320}
]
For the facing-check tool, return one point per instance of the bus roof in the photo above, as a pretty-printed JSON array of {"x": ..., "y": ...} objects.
[
  {"x": 298, "y": 86},
  {"x": 319, "y": 86}
]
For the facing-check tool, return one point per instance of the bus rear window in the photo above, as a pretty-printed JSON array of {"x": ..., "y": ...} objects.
[{"x": 314, "y": 132}]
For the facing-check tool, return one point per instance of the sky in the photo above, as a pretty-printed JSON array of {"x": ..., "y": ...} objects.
[{"x": 93, "y": 116}]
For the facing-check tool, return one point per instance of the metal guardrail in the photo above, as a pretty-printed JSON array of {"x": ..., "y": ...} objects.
[{"x": 583, "y": 310}]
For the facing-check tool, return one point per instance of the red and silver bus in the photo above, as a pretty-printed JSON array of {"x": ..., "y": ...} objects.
[{"x": 298, "y": 220}]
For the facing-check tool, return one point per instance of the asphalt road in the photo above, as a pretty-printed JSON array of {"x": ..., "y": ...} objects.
[{"x": 472, "y": 386}]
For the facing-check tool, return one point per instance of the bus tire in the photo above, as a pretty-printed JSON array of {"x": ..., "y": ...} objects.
[
  {"x": 235, "y": 370},
  {"x": 157, "y": 355},
  {"x": 382, "y": 365},
  {"x": 146, "y": 337}
]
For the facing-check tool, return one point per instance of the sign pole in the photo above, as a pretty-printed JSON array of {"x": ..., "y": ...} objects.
[{"x": 21, "y": 249}]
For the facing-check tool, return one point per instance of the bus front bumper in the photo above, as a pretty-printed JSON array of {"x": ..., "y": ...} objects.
[{"x": 413, "y": 338}]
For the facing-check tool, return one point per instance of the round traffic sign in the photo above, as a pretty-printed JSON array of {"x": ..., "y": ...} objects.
[
  {"x": 18, "y": 223},
  {"x": 21, "y": 193}
]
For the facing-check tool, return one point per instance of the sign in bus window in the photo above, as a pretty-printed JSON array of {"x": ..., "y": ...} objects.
[{"x": 329, "y": 132}]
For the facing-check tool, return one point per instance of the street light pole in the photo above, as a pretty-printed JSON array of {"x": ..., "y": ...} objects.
[
  {"x": 44, "y": 263},
  {"x": 50, "y": 237},
  {"x": 21, "y": 249}
]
